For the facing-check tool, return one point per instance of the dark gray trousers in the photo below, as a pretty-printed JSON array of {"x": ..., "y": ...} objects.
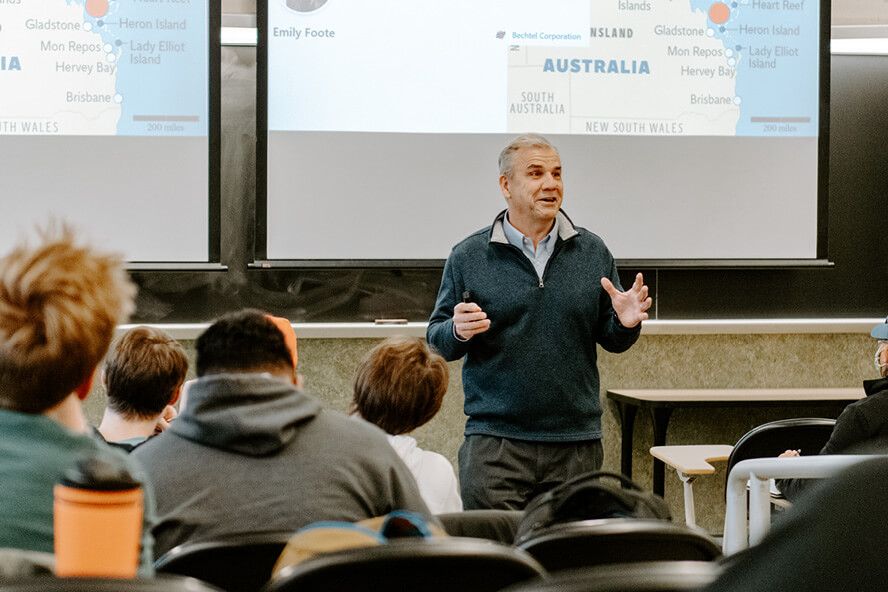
[{"x": 504, "y": 474}]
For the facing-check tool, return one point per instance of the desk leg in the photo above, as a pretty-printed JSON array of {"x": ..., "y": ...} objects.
[
  {"x": 627, "y": 424},
  {"x": 660, "y": 421}
]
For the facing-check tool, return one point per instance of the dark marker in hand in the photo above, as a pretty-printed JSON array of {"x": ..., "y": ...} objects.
[{"x": 467, "y": 296}]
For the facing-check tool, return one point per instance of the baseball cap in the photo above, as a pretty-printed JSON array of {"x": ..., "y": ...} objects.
[
  {"x": 289, "y": 334},
  {"x": 880, "y": 331}
]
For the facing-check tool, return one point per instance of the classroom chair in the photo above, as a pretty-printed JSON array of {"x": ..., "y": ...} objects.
[
  {"x": 493, "y": 525},
  {"x": 234, "y": 563},
  {"x": 809, "y": 434},
  {"x": 431, "y": 565},
  {"x": 618, "y": 540},
  {"x": 654, "y": 576},
  {"x": 768, "y": 440},
  {"x": 691, "y": 461}
]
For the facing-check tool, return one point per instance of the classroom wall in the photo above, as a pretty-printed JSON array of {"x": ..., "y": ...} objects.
[{"x": 656, "y": 361}]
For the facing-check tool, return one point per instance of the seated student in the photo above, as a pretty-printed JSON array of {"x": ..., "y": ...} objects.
[
  {"x": 399, "y": 386},
  {"x": 862, "y": 422},
  {"x": 143, "y": 375},
  {"x": 59, "y": 304},
  {"x": 251, "y": 452}
]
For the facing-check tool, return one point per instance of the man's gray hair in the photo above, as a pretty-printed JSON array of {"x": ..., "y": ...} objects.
[{"x": 507, "y": 156}]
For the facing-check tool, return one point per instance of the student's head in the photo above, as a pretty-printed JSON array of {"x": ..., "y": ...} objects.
[
  {"x": 399, "y": 385},
  {"x": 143, "y": 373},
  {"x": 244, "y": 342},
  {"x": 59, "y": 304}
]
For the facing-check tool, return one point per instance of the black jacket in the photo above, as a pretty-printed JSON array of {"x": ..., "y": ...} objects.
[{"x": 862, "y": 422}]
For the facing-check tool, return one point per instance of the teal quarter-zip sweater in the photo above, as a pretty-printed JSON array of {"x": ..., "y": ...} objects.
[
  {"x": 35, "y": 453},
  {"x": 533, "y": 375}
]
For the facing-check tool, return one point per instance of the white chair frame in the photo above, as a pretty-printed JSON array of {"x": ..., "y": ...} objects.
[{"x": 741, "y": 532}]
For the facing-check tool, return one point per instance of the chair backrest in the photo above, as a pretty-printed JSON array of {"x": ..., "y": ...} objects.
[
  {"x": 768, "y": 440},
  {"x": 618, "y": 540},
  {"x": 493, "y": 525},
  {"x": 235, "y": 563},
  {"x": 655, "y": 576},
  {"x": 161, "y": 583},
  {"x": 19, "y": 563},
  {"x": 430, "y": 565}
]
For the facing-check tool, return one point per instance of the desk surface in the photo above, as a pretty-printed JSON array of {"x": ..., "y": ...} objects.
[
  {"x": 710, "y": 397},
  {"x": 693, "y": 459}
]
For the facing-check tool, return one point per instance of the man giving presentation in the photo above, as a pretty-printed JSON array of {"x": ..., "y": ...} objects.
[{"x": 526, "y": 301}]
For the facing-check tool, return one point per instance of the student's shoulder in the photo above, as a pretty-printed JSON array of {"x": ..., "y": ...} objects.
[
  {"x": 340, "y": 425},
  {"x": 156, "y": 448},
  {"x": 438, "y": 462}
]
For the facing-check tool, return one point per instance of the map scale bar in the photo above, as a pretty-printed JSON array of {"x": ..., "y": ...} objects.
[
  {"x": 166, "y": 118},
  {"x": 780, "y": 119}
]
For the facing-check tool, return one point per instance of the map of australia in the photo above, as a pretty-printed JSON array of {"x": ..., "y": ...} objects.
[
  {"x": 103, "y": 67},
  {"x": 692, "y": 67}
]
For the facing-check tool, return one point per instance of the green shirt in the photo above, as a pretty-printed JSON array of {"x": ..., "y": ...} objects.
[{"x": 35, "y": 452}]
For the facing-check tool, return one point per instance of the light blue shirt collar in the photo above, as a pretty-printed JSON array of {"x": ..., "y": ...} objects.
[{"x": 539, "y": 257}]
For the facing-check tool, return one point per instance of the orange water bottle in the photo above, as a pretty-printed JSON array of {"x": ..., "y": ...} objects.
[{"x": 97, "y": 516}]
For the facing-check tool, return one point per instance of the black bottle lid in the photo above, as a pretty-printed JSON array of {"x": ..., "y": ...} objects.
[{"x": 100, "y": 473}]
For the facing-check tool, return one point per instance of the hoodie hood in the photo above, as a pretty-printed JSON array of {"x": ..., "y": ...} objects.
[
  {"x": 251, "y": 414},
  {"x": 871, "y": 387}
]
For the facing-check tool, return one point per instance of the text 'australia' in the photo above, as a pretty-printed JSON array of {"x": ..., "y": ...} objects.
[{"x": 590, "y": 66}]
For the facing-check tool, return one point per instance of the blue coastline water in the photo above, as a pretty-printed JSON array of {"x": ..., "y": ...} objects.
[
  {"x": 178, "y": 86},
  {"x": 789, "y": 90}
]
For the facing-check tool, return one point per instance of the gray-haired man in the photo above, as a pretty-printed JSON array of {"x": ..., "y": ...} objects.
[{"x": 526, "y": 301}]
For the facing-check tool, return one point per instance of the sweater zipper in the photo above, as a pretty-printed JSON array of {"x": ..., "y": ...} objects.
[
  {"x": 526, "y": 261},
  {"x": 549, "y": 262},
  {"x": 521, "y": 255}
]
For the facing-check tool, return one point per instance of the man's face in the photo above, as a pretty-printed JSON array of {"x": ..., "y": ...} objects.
[
  {"x": 882, "y": 358},
  {"x": 534, "y": 189}
]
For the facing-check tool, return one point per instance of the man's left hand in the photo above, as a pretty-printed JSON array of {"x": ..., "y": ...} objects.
[{"x": 631, "y": 306}]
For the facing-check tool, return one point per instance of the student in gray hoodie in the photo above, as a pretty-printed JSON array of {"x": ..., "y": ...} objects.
[{"x": 252, "y": 452}]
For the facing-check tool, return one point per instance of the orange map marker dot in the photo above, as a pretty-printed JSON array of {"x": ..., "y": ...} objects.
[
  {"x": 99, "y": 8},
  {"x": 719, "y": 13}
]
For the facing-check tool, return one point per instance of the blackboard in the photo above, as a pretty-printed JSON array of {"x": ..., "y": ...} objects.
[{"x": 855, "y": 286}]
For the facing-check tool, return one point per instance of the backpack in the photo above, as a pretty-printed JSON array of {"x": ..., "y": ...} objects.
[
  {"x": 589, "y": 497},
  {"x": 322, "y": 537}
]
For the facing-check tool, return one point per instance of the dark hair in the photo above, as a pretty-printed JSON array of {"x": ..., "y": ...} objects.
[
  {"x": 244, "y": 341},
  {"x": 143, "y": 372},
  {"x": 400, "y": 384}
]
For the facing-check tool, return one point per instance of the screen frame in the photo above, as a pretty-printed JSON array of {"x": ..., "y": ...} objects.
[
  {"x": 214, "y": 157},
  {"x": 261, "y": 260}
]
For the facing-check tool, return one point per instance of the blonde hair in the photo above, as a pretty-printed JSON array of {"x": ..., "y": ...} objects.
[{"x": 59, "y": 305}]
